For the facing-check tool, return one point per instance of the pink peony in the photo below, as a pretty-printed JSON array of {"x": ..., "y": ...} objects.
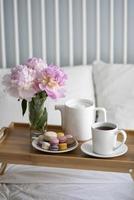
[
  {"x": 36, "y": 63},
  {"x": 34, "y": 77},
  {"x": 51, "y": 80},
  {"x": 20, "y": 82}
]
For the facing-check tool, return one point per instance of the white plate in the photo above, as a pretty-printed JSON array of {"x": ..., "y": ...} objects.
[
  {"x": 36, "y": 146},
  {"x": 87, "y": 149}
]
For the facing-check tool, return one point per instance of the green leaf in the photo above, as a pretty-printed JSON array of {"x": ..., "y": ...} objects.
[{"x": 24, "y": 106}]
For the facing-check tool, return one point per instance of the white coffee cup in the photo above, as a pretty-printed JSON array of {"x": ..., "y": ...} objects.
[
  {"x": 77, "y": 117},
  {"x": 104, "y": 137}
]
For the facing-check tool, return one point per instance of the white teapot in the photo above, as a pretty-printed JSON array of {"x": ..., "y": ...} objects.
[{"x": 77, "y": 116}]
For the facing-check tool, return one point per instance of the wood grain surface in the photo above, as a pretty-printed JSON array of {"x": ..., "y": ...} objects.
[{"x": 17, "y": 149}]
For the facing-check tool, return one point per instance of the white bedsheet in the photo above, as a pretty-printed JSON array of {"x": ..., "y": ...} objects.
[{"x": 22, "y": 182}]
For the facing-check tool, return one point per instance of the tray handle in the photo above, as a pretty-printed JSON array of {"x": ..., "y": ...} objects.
[{"x": 3, "y": 134}]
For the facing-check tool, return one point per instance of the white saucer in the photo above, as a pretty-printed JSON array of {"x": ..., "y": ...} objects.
[{"x": 87, "y": 149}]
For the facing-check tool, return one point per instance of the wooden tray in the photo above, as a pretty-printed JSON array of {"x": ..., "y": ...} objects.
[{"x": 17, "y": 149}]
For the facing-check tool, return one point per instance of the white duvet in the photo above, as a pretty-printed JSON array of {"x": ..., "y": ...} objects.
[{"x": 22, "y": 182}]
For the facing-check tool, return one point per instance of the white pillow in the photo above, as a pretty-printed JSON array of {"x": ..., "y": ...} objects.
[
  {"x": 114, "y": 91},
  {"x": 79, "y": 85}
]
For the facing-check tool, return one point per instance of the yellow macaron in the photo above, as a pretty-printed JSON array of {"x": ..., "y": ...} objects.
[
  {"x": 62, "y": 146},
  {"x": 59, "y": 134}
]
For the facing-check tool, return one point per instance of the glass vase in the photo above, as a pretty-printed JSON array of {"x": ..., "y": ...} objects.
[{"x": 38, "y": 114}]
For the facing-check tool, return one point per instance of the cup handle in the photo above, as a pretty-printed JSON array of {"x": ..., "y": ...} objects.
[
  {"x": 102, "y": 110},
  {"x": 124, "y": 134}
]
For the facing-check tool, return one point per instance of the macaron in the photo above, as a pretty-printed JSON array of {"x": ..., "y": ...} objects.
[
  {"x": 49, "y": 135},
  {"x": 62, "y": 146},
  {"x": 41, "y": 138},
  {"x": 45, "y": 145},
  {"x": 39, "y": 143},
  {"x": 62, "y": 139},
  {"x": 54, "y": 147},
  {"x": 70, "y": 142},
  {"x": 59, "y": 134},
  {"x": 69, "y": 136},
  {"x": 54, "y": 141}
]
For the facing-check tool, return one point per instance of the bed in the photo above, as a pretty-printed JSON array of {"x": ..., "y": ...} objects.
[{"x": 21, "y": 182}]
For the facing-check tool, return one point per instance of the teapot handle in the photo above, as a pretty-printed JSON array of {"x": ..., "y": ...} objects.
[
  {"x": 102, "y": 110},
  {"x": 61, "y": 109}
]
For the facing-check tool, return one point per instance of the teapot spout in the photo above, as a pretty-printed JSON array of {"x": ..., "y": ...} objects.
[{"x": 61, "y": 108}]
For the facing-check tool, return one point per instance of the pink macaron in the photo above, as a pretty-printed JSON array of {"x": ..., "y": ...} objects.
[
  {"x": 69, "y": 136},
  {"x": 62, "y": 139},
  {"x": 54, "y": 141}
]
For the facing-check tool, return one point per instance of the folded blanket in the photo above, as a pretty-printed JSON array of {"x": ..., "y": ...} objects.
[
  {"x": 21, "y": 182},
  {"x": 34, "y": 174}
]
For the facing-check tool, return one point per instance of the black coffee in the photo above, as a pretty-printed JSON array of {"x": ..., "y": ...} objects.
[{"x": 105, "y": 128}]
